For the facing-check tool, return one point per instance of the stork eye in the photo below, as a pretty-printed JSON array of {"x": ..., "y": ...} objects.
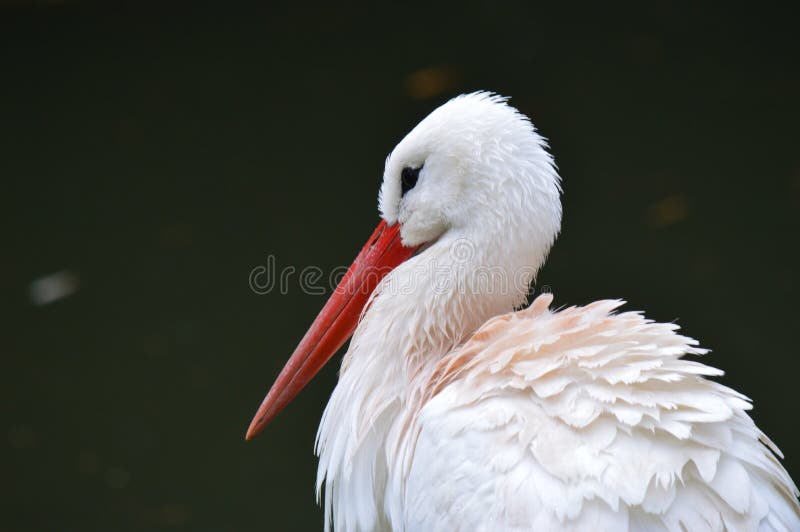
[{"x": 408, "y": 178}]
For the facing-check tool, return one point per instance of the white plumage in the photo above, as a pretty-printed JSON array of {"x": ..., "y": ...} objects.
[
  {"x": 578, "y": 419},
  {"x": 586, "y": 420}
]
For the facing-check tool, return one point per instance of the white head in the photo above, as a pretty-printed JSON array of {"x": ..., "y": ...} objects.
[{"x": 475, "y": 167}]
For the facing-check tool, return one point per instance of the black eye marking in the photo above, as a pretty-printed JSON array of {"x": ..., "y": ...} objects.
[{"x": 408, "y": 178}]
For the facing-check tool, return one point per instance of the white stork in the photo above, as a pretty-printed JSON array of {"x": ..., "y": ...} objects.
[{"x": 453, "y": 412}]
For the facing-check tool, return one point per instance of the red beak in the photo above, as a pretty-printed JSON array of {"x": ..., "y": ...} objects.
[{"x": 336, "y": 322}]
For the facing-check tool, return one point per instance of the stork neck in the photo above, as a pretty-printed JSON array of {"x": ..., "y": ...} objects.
[{"x": 433, "y": 302}]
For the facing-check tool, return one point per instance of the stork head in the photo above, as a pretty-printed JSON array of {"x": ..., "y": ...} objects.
[
  {"x": 474, "y": 169},
  {"x": 475, "y": 166}
]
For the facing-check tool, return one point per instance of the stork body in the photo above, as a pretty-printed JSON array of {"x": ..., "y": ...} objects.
[{"x": 453, "y": 412}]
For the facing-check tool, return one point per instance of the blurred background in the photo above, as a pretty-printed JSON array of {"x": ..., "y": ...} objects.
[{"x": 153, "y": 154}]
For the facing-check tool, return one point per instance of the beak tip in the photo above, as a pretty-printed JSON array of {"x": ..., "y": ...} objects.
[
  {"x": 263, "y": 417},
  {"x": 254, "y": 428}
]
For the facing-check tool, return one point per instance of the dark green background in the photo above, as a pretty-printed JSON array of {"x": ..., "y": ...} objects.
[{"x": 161, "y": 151}]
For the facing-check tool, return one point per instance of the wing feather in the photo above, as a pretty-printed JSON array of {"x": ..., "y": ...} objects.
[{"x": 583, "y": 419}]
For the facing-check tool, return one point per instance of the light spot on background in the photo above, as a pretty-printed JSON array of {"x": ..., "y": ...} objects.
[
  {"x": 51, "y": 288},
  {"x": 429, "y": 82},
  {"x": 174, "y": 514},
  {"x": 668, "y": 211}
]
